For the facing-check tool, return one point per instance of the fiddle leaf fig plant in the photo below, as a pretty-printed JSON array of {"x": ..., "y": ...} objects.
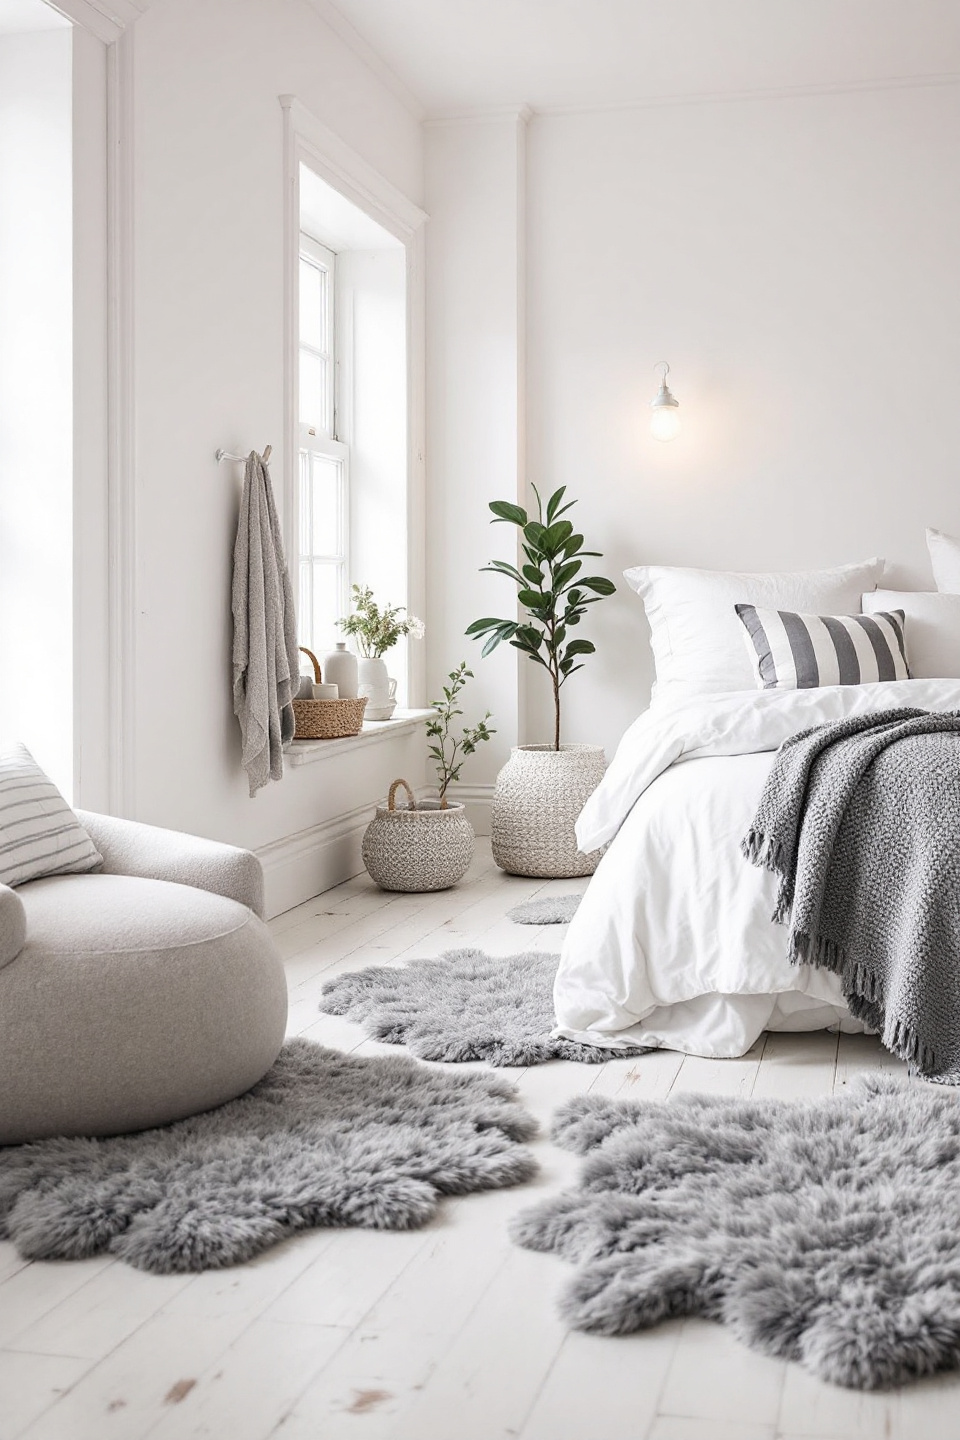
[{"x": 550, "y": 588}]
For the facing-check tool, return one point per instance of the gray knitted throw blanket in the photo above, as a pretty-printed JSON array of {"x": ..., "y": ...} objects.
[{"x": 860, "y": 821}]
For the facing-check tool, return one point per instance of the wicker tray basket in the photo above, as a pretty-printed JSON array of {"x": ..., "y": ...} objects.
[{"x": 326, "y": 719}]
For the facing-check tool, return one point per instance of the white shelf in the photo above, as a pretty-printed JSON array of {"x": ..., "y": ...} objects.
[{"x": 306, "y": 752}]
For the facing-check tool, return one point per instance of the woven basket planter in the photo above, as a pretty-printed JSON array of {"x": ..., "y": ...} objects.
[
  {"x": 420, "y": 848},
  {"x": 539, "y": 795}
]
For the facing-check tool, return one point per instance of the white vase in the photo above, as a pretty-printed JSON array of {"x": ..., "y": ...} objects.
[
  {"x": 380, "y": 690},
  {"x": 339, "y": 667},
  {"x": 538, "y": 797}
]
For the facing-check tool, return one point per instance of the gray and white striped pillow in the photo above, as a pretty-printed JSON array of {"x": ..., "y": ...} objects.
[
  {"x": 39, "y": 833},
  {"x": 802, "y": 652}
]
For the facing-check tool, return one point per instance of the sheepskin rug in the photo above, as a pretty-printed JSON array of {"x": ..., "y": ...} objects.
[
  {"x": 545, "y": 910},
  {"x": 825, "y": 1232},
  {"x": 464, "y": 1006},
  {"x": 324, "y": 1139}
]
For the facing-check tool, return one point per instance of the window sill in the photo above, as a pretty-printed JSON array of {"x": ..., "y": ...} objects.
[{"x": 403, "y": 722}]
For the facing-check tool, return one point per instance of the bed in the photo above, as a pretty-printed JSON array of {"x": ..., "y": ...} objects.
[{"x": 673, "y": 945}]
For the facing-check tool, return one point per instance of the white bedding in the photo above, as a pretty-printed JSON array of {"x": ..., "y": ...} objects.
[{"x": 673, "y": 945}]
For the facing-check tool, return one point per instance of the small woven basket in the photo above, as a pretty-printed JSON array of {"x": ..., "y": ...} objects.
[
  {"x": 326, "y": 719},
  {"x": 418, "y": 848}
]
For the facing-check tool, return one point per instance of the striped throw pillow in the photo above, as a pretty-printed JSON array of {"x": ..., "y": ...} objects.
[
  {"x": 39, "y": 833},
  {"x": 801, "y": 652}
]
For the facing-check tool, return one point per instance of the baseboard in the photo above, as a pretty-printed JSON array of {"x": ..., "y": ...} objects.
[
  {"x": 303, "y": 865},
  {"x": 477, "y": 800},
  {"x": 300, "y": 866}
]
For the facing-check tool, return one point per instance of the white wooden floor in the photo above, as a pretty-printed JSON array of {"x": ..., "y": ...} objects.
[{"x": 449, "y": 1333}]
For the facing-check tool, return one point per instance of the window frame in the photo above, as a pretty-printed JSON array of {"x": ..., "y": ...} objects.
[
  {"x": 314, "y": 441},
  {"x": 309, "y": 144}
]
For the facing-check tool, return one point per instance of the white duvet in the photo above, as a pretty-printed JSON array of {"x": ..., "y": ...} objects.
[{"x": 673, "y": 945}]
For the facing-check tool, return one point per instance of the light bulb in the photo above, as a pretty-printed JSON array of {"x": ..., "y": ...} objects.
[
  {"x": 665, "y": 417},
  {"x": 665, "y": 422}
]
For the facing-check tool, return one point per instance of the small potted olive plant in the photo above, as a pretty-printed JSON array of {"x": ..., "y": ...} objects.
[
  {"x": 428, "y": 845},
  {"x": 542, "y": 788}
]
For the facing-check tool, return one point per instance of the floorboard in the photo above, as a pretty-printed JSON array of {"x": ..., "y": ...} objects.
[{"x": 447, "y": 1333}]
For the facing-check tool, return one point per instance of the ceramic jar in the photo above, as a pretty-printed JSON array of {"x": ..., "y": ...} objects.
[
  {"x": 538, "y": 796},
  {"x": 380, "y": 690},
  {"x": 339, "y": 667}
]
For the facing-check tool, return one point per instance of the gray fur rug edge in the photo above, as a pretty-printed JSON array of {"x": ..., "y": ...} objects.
[
  {"x": 546, "y": 910},
  {"x": 825, "y": 1232},
  {"x": 324, "y": 1139},
  {"x": 466, "y": 1005}
]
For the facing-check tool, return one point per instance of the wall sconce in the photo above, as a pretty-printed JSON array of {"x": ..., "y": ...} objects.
[{"x": 664, "y": 421}]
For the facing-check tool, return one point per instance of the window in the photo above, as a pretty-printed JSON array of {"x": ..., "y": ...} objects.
[{"x": 324, "y": 459}]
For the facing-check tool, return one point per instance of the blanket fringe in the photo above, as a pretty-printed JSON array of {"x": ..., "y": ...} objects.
[
  {"x": 762, "y": 850},
  {"x": 863, "y": 992}
]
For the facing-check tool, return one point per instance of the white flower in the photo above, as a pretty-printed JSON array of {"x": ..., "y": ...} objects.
[{"x": 415, "y": 627}]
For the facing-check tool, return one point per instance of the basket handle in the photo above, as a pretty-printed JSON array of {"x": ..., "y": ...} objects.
[
  {"x": 391, "y": 798},
  {"x": 314, "y": 661}
]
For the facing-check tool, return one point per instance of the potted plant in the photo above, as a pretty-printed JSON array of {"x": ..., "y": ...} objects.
[
  {"x": 428, "y": 845},
  {"x": 542, "y": 788},
  {"x": 376, "y": 631}
]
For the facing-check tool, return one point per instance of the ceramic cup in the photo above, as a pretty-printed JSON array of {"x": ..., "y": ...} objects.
[{"x": 326, "y": 692}]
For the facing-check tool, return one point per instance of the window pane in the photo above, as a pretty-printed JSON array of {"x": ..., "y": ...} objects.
[
  {"x": 325, "y": 488},
  {"x": 326, "y": 605},
  {"x": 313, "y": 391},
  {"x": 313, "y": 306}
]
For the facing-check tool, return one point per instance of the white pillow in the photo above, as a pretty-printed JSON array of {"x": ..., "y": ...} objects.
[
  {"x": 39, "y": 833},
  {"x": 932, "y": 624},
  {"x": 696, "y": 637},
  {"x": 945, "y": 559}
]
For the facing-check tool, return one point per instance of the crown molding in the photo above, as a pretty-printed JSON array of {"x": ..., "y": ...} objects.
[
  {"x": 107, "y": 19},
  {"x": 481, "y": 115},
  {"x": 496, "y": 114}
]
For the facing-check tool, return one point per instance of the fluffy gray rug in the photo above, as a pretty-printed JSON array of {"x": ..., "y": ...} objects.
[
  {"x": 323, "y": 1139},
  {"x": 545, "y": 910},
  {"x": 464, "y": 1006},
  {"x": 825, "y": 1232}
]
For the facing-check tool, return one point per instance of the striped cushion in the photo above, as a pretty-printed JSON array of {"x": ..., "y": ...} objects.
[
  {"x": 801, "y": 652},
  {"x": 39, "y": 833}
]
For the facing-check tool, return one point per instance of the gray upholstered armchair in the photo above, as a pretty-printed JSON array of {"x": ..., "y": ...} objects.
[{"x": 140, "y": 993}]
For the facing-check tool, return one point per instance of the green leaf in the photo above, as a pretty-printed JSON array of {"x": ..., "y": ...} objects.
[
  {"x": 480, "y": 627},
  {"x": 573, "y": 546},
  {"x": 565, "y": 574},
  {"x": 492, "y": 643},
  {"x": 553, "y": 502},
  {"x": 533, "y": 575},
  {"x": 532, "y": 637},
  {"x": 531, "y": 654},
  {"x": 501, "y": 567},
  {"x": 601, "y": 585},
  {"x": 504, "y": 510},
  {"x": 533, "y": 533},
  {"x": 557, "y": 536},
  {"x": 531, "y": 598},
  {"x": 579, "y": 647}
]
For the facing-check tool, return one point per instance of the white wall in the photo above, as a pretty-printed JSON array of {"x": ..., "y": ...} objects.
[
  {"x": 795, "y": 262},
  {"x": 208, "y": 253},
  {"x": 474, "y": 188},
  {"x": 36, "y": 398}
]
